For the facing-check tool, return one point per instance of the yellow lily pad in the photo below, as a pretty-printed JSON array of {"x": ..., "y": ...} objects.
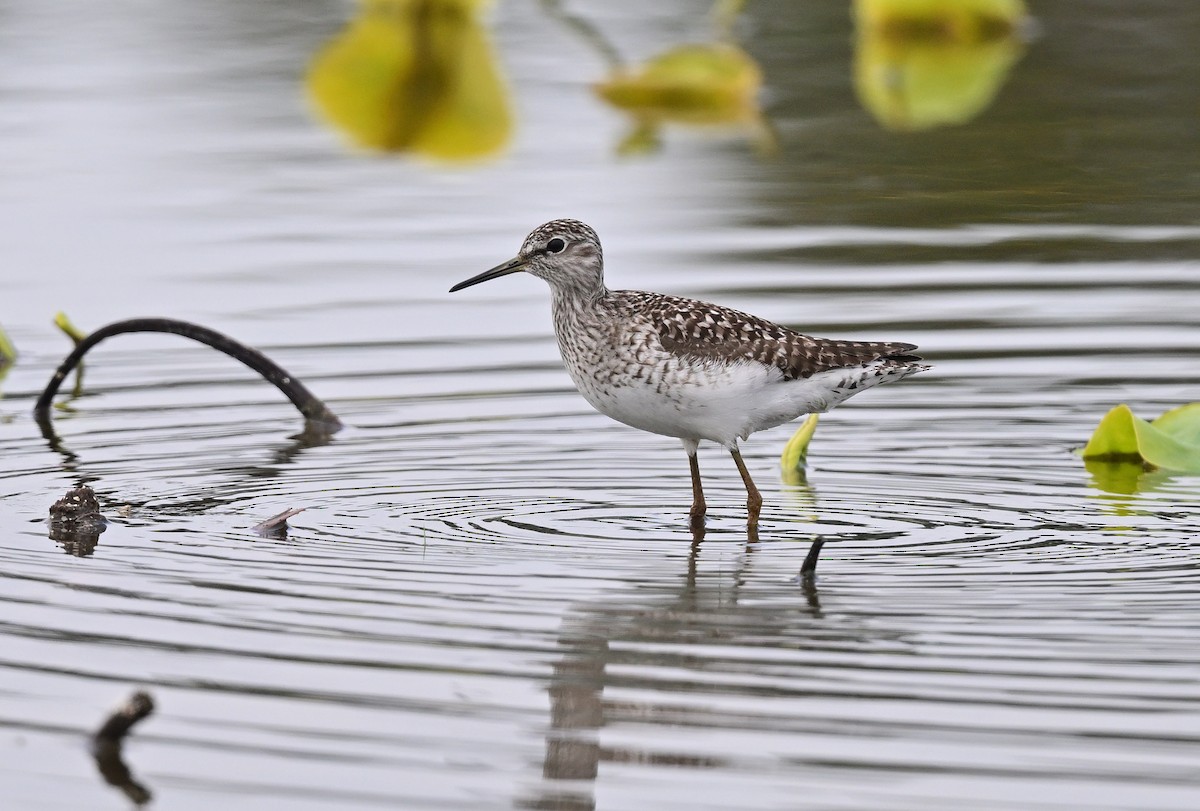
[
  {"x": 711, "y": 83},
  {"x": 8, "y": 352},
  {"x": 1171, "y": 442},
  {"x": 1182, "y": 423},
  {"x": 961, "y": 20},
  {"x": 795, "y": 452},
  {"x": 921, "y": 64},
  {"x": 415, "y": 76},
  {"x": 698, "y": 85}
]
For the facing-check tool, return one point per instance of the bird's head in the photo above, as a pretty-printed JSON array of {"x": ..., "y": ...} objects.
[{"x": 565, "y": 253}]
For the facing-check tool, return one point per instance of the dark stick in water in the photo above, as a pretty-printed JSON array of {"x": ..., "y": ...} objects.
[
  {"x": 106, "y": 746},
  {"x": 315, "y": 412},
  {"x": 117, "y": 725},
  {"x": 808, "y": 569}
]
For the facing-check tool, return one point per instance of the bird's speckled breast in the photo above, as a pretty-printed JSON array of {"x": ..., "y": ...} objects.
[{"x": 605, "y": 352}]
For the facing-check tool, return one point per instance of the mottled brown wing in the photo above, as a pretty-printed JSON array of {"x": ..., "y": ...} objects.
[{"x": 695, "y": 329}]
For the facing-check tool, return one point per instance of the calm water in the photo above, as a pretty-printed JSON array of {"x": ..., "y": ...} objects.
[{"x": 491, "y": 600}]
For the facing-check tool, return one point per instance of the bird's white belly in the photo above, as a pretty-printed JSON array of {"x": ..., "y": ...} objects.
[{"x": 720, "y": 403}]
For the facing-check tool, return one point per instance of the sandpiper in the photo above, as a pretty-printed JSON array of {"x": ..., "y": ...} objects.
[{"x": 686, "y": 368}]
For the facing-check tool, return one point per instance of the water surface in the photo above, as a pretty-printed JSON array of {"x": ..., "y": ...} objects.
[{"x": 491, "y": 599}]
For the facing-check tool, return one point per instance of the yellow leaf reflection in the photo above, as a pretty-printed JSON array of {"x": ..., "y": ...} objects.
[
  {"x": 921, "y": 64},
  {"x": 415, "y": 76},
  {"x": 701, "y": 84},
  {"x": 1124, "y": 478}
]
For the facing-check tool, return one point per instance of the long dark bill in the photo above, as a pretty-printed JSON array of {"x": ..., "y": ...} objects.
[{"x": 511, "y": 266}]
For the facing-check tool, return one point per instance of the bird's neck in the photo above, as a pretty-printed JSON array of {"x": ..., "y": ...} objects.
[{"x": 571, "y": 302}]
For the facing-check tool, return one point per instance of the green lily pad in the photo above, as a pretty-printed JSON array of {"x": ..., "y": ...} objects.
[
  {"x": 1171, "y": 442},
  {"x": 1182, "y": 423}
]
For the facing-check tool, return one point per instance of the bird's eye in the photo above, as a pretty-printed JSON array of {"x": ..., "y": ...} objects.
[{"x": 555, "y": 245}]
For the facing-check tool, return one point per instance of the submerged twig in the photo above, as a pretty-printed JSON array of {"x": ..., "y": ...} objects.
[
  {"x": 808, "y": 577},
  {"x": 316, "y": 414},
  {"x": 106, "y": 746},
  {"x": 808, "y": 569}
]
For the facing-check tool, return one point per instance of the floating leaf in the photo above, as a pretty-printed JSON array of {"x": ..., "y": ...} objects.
[
  {"x": 699, "y": 84},
  {"x": 1171, "y": 442},
  {"x": 415, "y": 76},
  {"x": 921, "y": 64},
  {"x": 8, "y": 357},
  {"x": 795, "y": 453},
  {"x": 1182, "y": 423},
  {"x": 8, "y": 352},
  {"x": 696, "y": 84},
  {"x": 941, "y": 20}
]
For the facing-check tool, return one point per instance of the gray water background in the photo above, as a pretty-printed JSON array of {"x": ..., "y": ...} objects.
[{"x": 492, "y": 600}]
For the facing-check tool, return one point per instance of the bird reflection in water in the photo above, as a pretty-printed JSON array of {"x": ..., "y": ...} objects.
[{"x": 613, "y": 644}]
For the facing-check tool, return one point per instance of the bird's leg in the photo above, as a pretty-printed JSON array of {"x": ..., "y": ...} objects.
[
  {"x": 753, "y": 497},
  {"x": 696, "y": 517}
]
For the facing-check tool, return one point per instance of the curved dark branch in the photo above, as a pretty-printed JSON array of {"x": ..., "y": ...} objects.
[
  {"x": 316, "y": 413},
  {"x": 106, "y": 747}
]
